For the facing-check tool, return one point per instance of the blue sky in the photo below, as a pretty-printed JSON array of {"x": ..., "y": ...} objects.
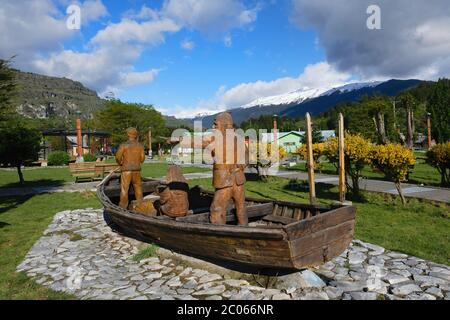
[{"x": 192, "y": 56}]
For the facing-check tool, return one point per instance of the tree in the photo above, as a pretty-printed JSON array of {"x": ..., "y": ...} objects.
[
  {"x": 439, "y": 107},
  {"x": 261, "y": 158},
  {"x": 316, "y": 135},
  {"x": 117, "y": 116},
  {"x": 357, "y": 154},
  {"x": 18, "y": 143},
  {"x": 7, "y": 90},
  {"x": 395, "y": 161},
  {"x": 409, "y": 103},
  {"x": 439, "y": 157}
]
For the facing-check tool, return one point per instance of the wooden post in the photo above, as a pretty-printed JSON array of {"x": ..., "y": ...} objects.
[
  {"x": 79, "y": 139},
  {"x": 310, "y": 160},
  {"x": 341, "y": 160},
  {"x": 429, "y": 130}
]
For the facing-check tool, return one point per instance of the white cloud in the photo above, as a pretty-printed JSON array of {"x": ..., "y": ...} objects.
[
  {"x": 129, "y": 31},
  {"x": 108, "y": 63},
  {"x": 131, "y": 79},
  {"x": 187, "y": 44},
  {"x": 29, "y": 28},
  {"x": 211, "y": 17},
  {"x": 92, "y": 10},
  {"x": 414, "y": 40}
]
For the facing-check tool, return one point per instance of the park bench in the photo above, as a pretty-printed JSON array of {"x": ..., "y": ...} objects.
[{"x": 91, "y": 170}]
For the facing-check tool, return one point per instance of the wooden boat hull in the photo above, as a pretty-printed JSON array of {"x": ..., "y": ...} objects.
[{"x": 297, "y": 235}]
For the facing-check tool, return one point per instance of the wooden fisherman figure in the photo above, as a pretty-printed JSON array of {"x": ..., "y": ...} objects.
[
  {"x": 228, "y": 174},
  {"x": 174, "y": 197},
  {"x": 130, "y": 156}
]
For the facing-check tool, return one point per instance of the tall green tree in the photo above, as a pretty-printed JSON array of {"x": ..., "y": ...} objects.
[
  {"x": 117, "y": 116},
  {"x": 409, "y": 104},
  {"x": 19, "y": 143},
  {"x": 8, "y": 90},
  {"x": 439, "y": 107}
]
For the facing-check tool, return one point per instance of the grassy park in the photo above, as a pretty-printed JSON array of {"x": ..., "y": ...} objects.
[
  {"x": 49, "y": 176},
  {"x": 419, "y": 228}
]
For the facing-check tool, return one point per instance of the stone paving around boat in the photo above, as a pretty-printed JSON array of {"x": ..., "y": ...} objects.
[{"x": 79, "y": 254}]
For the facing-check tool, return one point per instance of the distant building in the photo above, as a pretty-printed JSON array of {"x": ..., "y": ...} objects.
[{"x": 290, "y": 141}]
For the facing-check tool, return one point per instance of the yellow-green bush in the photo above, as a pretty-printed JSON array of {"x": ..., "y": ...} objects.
[
  {"x": 395, "y": 161},
  {"x": 357, "y": 154},
  {"x": 439, "y": 157},
  {"x": 318, "y": 149}
]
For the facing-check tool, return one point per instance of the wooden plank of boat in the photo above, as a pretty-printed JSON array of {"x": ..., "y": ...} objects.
[{"x": 320, "y": 222}]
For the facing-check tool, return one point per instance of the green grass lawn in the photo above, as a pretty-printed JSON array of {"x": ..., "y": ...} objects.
[
  {"x": 49, "y": 176},
  {"x": 422, "y": 173},
  {"x": 22, "y": 221},
  {"x": 420, "y": 228}
]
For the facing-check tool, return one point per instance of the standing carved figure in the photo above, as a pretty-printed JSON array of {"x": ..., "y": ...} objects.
[
  {"x": 130, "y": 156},
  {"x": 228, "y": 176}
]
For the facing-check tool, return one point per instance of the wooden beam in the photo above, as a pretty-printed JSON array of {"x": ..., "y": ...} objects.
[
  {"x": 310, "y": 160},
  {"x": 341, "y": 160}
]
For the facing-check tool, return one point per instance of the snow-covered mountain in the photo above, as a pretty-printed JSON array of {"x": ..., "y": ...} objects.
[
  {"x": 301, "y": 95},
  {"x": 295, "y": 104}
]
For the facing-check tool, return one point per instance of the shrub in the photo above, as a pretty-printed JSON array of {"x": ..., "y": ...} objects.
[
  {"x": 357, "y": 154},
  {"x": 89, "y": 158},
  {"x": 58, "y": 158},
  {"x": 439, "y": 157},
  {"x": 395, "y": 161},
  {"x": 318, "y": 150}
]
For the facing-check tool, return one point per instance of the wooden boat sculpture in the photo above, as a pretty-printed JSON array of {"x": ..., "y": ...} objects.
[{"x": 280, "y": 235}]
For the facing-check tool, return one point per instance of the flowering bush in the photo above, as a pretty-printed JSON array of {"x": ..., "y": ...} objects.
[
  {"x": 318, "y": 149},
  {"x": 439, "y": 157},
  {"x": 357, "y": 154},
  {"x": 395, "y": 161}
]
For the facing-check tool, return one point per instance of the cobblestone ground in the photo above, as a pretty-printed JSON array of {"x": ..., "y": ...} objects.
[{"x": 79, "y": 254}]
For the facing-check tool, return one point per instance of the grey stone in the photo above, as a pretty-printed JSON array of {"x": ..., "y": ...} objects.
[
  {"x": 395, "y": 278},
  {"x": 428, "y": 281},
  {"x": 209, "y": 277},
  {"x": 356, "y": 257},
  {"x": 435, "y": 292},
  {"x": 210, "y": 291},
  {"x": 404, "y": 273},
  {"x": 215, "y": 297},
  {"x": 363, "y": 295},
  {"x": 320, "y": 295},
  {"x": 397, "y": 255},
  {"x": 441, "y": 275},
  {"x": 334, "y": 293},
  {"x": 191, "y": 284},
  {"x": 403, "y": 290},
  {"x": 349, "y": 286},
  {"x": 281, "y": 296}
]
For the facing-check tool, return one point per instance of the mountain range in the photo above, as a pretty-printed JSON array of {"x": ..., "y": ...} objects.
[
  {"x": 313, "y": 100},
  {"x": 43, "y": 97}
]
